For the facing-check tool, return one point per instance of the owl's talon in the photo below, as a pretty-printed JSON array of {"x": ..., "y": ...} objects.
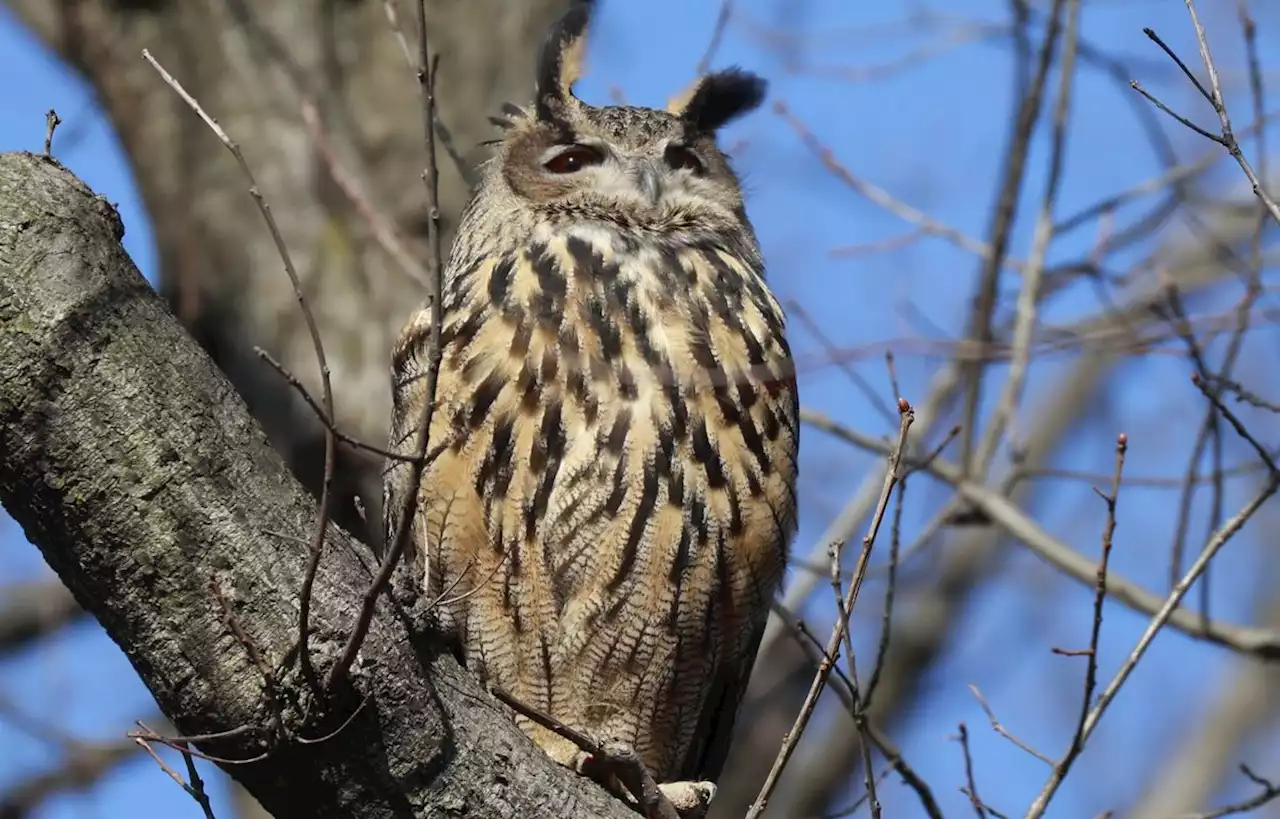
[
  {"x": 618, "y": 767},
  {"x": 690, "y": 799}
]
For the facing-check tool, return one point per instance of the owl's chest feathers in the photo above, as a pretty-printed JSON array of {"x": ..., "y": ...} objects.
[
  {"x": 690, "y": 311},
  {"x": 640, "y": 393}
]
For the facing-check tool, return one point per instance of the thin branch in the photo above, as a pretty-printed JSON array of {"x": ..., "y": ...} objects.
[
  {"x": 1063, "y": 766},
  {"x": 999, "y": 728},
  {"x": 879, "y": 196},
  {"x": 330, "y": 440},
  {"x": 194, "y": 788},
  {"x": 441, "y": 130},
  {"x": 1213, "y": 94},
  {"x": 1263, "y": 455},
  {"x": 794, "y": 308},
  {"x": 982, "y": 311},
  {"x": 383, "y": 233},
  {"x": 1210, "y": 551},
  {"x": 1029, "y": 294},
  {"x": 51, "y": 123},
  {"x": 971, "y": 790},
  {"x": 844, "y": 691},
  {"x": 1154, "y": 100},
  {"x": 857, "y": 710},
  {"x": 1243, "y": 394},
  {"x": 395, "y": 549},
  {"x": 890, "y": 591},
  {"x": 832, "y": 651},
  {"x": 717, "y": 37},
  {"x": 1270, "y": 792},
  {"x": 1247, "y": 639},
  {"x": 349, "y": 440}
]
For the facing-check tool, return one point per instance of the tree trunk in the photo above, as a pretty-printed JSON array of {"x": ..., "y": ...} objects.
[{"x": 135, "y": 467}]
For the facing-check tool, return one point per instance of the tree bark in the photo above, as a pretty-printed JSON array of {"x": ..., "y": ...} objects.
[
  {"x": 253, "y": 65},
  {"x": 136, "y": 468}
]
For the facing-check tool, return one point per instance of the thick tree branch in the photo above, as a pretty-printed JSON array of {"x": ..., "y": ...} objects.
[{"x": 135, "y": 467}]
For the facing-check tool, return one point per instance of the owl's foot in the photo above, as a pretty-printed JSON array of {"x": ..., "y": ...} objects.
[
  {"x": 690, "y": 799},
  {"x": 614, "y": 765},
  {"x": 618, "y": 768}
]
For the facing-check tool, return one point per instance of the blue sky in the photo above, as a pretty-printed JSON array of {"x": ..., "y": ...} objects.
[{"x": 931, "y": 134}]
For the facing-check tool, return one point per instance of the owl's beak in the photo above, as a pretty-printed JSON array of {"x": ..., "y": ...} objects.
[{"x": 648, "y": 177}]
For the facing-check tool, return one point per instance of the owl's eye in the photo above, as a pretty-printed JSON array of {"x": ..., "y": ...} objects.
[
  {"x": 574, "y": 158},
  {"x": 681, "y": 158}
]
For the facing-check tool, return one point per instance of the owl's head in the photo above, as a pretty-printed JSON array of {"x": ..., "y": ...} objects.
[{"x": 637, "y": 167}]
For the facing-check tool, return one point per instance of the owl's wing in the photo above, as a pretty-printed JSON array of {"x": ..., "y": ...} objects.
[
  {"x": 409, "y": 400},
  {"x": 719, "y": 715}
]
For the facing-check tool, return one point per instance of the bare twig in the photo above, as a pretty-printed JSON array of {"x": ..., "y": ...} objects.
[
  {"x": 832, "y": 650},
  {"x": 1243, "y": 394},
  {"x": 197, "y": 785},
  {"x": 51, "y": 123},
  {"x": 1263, "y": 455},
  {"x": 717, "y": 36},
  {"x": 1210, "y": 551},
  {"x": 350, "y": 185},
  {"x": 194, "y": 788},
  {"x": 349, "y": 440},
  {"x": 183, "y": 743},
  {"x": 393, "y": 20},
  {"x": 1029, "y": 294},
  {"x": 971, "y": 788},
  {"x": 857, "y": 711},
  {"x": 877, "y": 195},
  {"x": 1063, "y": 766},
  {"x": 982, "y": 313},
  {"x": 330, "y": 440},
  {"x": 794, "y": 308},
  {"x": 890, "y": 592},
  {"x": 1213, "y": 94},
  {"x": 1247, "y": 639},
  {"x": 427, "y": 66},
  {"x": 999, "y": 728},
  {"x": 441, "y": 130},
  {"x": 844, "y": 690},
  {"x": 1270, "y": 792}
]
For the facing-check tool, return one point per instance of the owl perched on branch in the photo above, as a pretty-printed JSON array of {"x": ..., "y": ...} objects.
[{"x": 610, "y": 494}]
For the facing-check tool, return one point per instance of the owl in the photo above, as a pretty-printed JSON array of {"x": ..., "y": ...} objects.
[{"x": 609, "y": 496}]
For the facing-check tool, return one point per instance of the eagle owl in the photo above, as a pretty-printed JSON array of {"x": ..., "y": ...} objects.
[{"x": 609, "y": 495}]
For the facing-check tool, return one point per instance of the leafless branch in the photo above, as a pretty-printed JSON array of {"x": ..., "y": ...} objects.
[
  {"x": 427, "y": 66},
  {"x": 330, "y": 444},
  {"x": 832, "y": 651},
  {"x": 1251, "y": 640}
]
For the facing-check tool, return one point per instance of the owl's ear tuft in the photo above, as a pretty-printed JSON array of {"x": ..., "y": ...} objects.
[
  {"x": 560, "y": 64},
  {"x": 715, "y": 100}
]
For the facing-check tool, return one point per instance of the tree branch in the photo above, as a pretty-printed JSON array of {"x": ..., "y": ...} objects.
[{"x": 135, "y": 467}]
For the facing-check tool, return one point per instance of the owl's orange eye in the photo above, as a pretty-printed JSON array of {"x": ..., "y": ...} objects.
[
  {"x": 574, "y": 158},
  {"x": 681, "y": 158}
]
